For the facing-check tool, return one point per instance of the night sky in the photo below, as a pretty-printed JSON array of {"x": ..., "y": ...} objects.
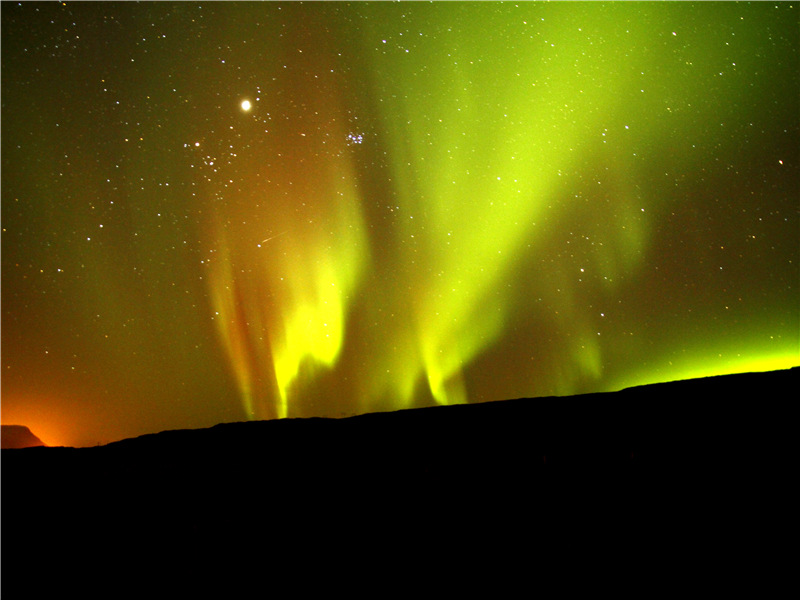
[{"x": 226, "y": 211}]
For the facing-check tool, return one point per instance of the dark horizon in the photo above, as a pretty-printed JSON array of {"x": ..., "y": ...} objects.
[{"x": 652, "y": 393}]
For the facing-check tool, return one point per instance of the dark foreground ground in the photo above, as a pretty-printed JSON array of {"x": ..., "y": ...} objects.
[{"x": 654, "y": 486}]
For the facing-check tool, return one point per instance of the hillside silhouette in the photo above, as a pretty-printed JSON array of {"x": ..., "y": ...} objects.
[
  {"x": 646, "y": 461},
  {"x": 18, "y": 436}
]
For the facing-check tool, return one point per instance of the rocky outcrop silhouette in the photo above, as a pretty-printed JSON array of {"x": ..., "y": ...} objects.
[{"x": 18, "y": 436}]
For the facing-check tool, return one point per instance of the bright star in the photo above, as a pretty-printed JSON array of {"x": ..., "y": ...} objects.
[{"x": 246, "y": 105}]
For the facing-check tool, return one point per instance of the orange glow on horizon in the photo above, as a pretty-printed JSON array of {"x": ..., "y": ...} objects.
[{"x": 44, "y": 426}]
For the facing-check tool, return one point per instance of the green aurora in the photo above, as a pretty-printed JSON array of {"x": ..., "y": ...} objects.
[{"x": 422, "y": 203}]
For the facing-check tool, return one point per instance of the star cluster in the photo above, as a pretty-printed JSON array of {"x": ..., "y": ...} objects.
[{"x": 213, "y": 212}]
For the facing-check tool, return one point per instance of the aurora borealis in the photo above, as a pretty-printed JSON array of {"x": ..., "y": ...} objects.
[{"x": 222, "y": 211}]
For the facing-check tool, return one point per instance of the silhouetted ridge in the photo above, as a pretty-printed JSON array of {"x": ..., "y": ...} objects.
[
  {"x": 18, "y": 436},
  {"x": 648, "y": 461}
]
